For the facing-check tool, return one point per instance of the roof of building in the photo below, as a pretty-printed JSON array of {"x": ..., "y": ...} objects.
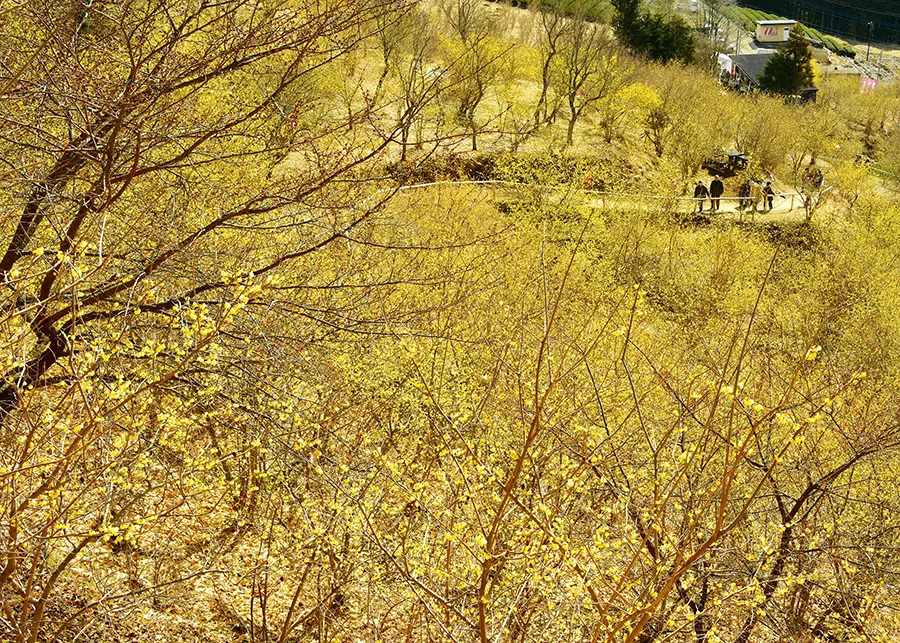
[
  {"x": 776, "y": 22},
  {"x": 752, "y": 65}
]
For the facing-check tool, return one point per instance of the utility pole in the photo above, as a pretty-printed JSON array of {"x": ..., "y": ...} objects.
[{"x": 869, "y": 45}]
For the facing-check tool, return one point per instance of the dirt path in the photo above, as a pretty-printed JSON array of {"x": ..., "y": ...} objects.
[{"x": 785, "y": 208}]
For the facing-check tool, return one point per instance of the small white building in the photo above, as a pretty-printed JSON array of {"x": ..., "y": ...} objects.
[{"x": 774, "y": 30}]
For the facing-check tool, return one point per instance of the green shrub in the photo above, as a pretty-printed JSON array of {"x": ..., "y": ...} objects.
[{"x": 587, "y": 171}]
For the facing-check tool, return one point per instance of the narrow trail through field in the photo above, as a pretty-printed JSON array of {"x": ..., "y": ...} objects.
[{"x": 787, "y": 207}]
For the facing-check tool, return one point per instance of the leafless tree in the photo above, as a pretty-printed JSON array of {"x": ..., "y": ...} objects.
[
  {"x": 553, "y": 26},
  {"x": 418, "y": 78},
  {"x": 714, "y": 20},
  {"x": 145, "y": 204},
  {"x": 468, "y": 19},
  {"x": 591, "y": 69},
  {"x": 475, "y": 64}
]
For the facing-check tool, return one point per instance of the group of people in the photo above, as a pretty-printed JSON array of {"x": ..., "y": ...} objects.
[
  {"x": 750, "y": 195},
  {"x": 714, "y": 193},
  {"x": 813, "y": 179}
]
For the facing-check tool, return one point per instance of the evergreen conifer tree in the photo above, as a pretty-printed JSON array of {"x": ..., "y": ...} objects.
[
  {"x": 657, "y": 36},
  {"x": 626, "y": 21},
  {"x": 789, "y": 69}
]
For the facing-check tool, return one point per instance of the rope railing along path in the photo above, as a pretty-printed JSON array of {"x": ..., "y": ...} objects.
[
  {"x": 599, "y": 193},
  {"x": 871, "y": 168}
]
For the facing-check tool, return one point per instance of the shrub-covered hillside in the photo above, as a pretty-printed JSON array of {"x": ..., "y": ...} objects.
[{"x": 359, "y": 321}]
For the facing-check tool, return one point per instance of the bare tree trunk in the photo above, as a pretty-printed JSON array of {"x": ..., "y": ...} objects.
[
  {"x": 570, "y": 131},
  {"x": 540, "y": 113}
]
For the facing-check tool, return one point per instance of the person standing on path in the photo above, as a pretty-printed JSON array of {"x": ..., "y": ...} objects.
[
  {"x": 716, "y": 190},
  {"x": 757, "y": 197},
  {"x": 768, "y": 196},
  {"x": 813, "y": 177},
  {"x": 744, "y": 195},
  {"x": 701, "y": 193}
]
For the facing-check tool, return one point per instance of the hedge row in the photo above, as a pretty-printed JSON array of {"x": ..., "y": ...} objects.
[
  {"x": 587, "y": 171},
  {"x": 749, "y": 17}
]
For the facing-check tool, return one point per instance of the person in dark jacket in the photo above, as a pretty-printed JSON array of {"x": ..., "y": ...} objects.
[
  {"x": 768, "y": 196},
  {"x": 813, "y": 178},
  {"x": 716, "y": 190},
  {"x": 744, "y": 194},
  {"x": 701, "y": 193}
]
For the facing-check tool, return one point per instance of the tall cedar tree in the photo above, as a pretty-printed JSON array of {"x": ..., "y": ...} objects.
[
  {"x": 789, "y": 69},
  {"x": 626, "y": 18},
  {"x": 653, "y": 35}
]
